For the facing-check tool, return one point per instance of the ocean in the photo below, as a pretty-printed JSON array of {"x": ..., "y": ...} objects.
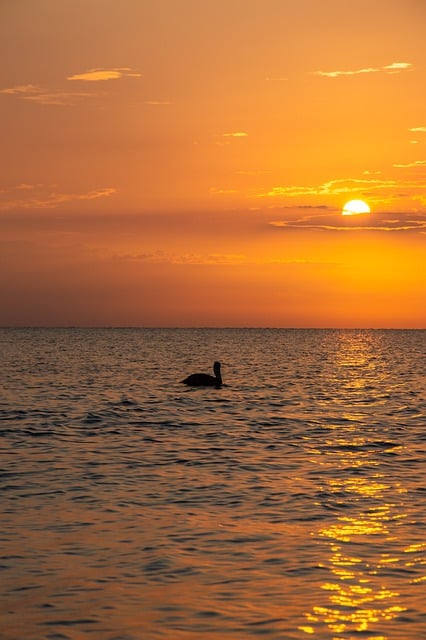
[{"x": 287, "y": 504}]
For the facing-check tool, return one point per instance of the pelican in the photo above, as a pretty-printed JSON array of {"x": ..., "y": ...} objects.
[{"x": 204, "y": 379}]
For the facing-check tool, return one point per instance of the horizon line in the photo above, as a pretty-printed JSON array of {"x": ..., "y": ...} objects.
[{"x": 213, "y": 328}]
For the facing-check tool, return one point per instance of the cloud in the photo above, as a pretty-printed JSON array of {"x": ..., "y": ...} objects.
[
  {"x": 38, "y": 94},
  {"x": 336, "y": 74},
  {"x": 235, "y": 134},
  {"x": 159, "y": 256},
  {"x": 209, "y": 259},
  {"x": 224, "y": 139},
  {"x": 332, "y": 187},
  {"x": 96, "y": 193},
  {"x": 26, "y": 196},
  {"x": 418, "y": 129},
  {"x": 21, "y": 89},
  {"x": 388, "y": 192},
  {"x": 220, "y": 191},
  {"x": 24, "y": 186},
  {"x": 395, "y": 67},
  {"x": 409, "y": 165},
  {"x": 100, "y": 74},
  {"x": 65, "y": 97},
  {"x": 314, "y": 206},
  {"x": 369, "y": 222},
  {"x": 377, "y": 189},
  {"x": 58, "y": 98},
  {"x": 158, "y": 102}
]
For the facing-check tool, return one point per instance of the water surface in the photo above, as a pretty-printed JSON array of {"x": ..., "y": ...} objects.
[{"x": 288, "y": 504}]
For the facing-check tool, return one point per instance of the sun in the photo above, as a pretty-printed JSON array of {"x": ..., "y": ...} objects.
[{"x": 355, "y": 207}]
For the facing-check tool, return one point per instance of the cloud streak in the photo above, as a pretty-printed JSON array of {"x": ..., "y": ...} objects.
[
  {"x": 158, "y": 102},
  {"x": 332, "y": 187},
  {"x": 21, "y": 89},
  {"x": 27, "y": 196},
  {"x": 234, "y": 134},
  {"x": 220, "y": 191},
  {"x": 164, "y": 257},
  {"x": 375, "y": 188},
  {"x": 223, "y": 139},
  {"x": 210, "y": 259},
  {"x": 395, "y": 67},
  {"x": 35, "y": 93},
  {"x": 368, "y": 222},
  {"x": 101, "y": 74},
  {"x": 63, "y": 96},
  {"x": 409, "y": 165}
]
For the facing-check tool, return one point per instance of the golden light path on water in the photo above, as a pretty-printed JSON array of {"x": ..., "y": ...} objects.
[{"x": 359, "y": 598}]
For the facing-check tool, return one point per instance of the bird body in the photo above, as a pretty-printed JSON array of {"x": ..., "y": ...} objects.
[{"x": 204, "y": 379}]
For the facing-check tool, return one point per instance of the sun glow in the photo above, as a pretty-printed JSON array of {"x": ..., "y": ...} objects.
[{"x": 355, "y": 207}]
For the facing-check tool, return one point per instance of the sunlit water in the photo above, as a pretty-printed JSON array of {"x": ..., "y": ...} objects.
[{"x": 288, "y": 504}]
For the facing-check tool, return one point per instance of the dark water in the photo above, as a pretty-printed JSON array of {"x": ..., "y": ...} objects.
[{"x": 289, "y": 504}]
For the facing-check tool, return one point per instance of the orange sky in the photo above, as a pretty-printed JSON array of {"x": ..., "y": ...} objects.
[{"x": 185, "y": 163}]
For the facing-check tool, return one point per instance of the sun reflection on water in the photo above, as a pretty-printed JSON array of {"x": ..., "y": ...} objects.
[{"x": 359, "y": 598}]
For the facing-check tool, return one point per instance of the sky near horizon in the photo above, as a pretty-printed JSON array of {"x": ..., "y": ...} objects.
[{"x": 186, "y": 163}]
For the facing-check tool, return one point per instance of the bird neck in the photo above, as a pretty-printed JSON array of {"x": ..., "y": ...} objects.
[{"x": 216, "y": 370}]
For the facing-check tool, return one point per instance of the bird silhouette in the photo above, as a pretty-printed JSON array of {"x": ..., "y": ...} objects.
[{"x": 204, "y": 379}]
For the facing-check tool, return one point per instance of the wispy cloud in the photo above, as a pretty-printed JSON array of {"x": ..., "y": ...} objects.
[
  {"x": 409, "y": 165},
  {"x": 332, "y": 187},
  {"x": 21, "y": 89},
  {"x": 62, "y": 96},
  {"x": 26, "y": 196},
  {"x": 41, "y": 95},
  {"x": 24, "y": 186},
  {"x": 163, "y": 257},
  {"x": 374, "y": 190},
  {"x": 210, "y": 259},
  {"x": 395, "y": 67},
  {"x": 234, "y": 134},
  {"x": 418, "y": 129},
  {"x": 221, "y": 192},
  {"x": 224, "y": 139},
  {"x": 101, "y": 74},
  {"x": 369, "y": 222},
  {"x": 336, "y": 74},
  {"x": 158, "y": 102}
]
